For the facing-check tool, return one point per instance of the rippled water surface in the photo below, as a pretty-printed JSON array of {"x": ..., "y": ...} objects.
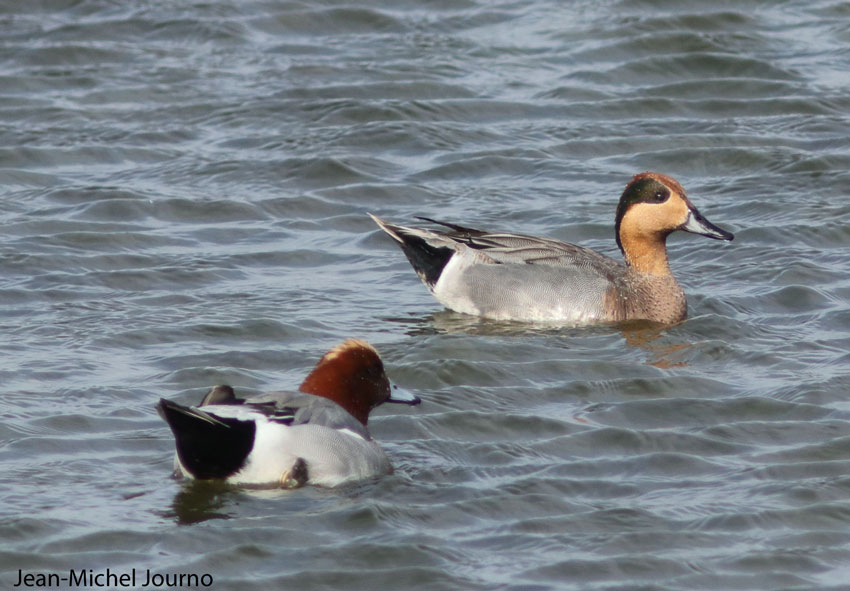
[{"x": 184, "y": 196}]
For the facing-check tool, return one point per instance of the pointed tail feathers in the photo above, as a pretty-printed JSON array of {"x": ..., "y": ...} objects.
[
  {"x": 428, "y": 252},
  {"x": 208, "y": 446}
]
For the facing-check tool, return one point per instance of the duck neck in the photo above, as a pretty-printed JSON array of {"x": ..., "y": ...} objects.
[
  {"x": 326, "y": 384},
  {"x": 647, "y": 255}
]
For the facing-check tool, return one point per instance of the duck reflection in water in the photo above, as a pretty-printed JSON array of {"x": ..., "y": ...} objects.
[{"x": 642, "y": 334}]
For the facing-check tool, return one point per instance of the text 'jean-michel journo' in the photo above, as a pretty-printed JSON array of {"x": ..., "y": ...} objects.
[{"x": 87, "y": 578}]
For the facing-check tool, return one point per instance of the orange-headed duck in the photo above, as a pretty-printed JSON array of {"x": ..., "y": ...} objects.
[{"x": 517, "y": 277}]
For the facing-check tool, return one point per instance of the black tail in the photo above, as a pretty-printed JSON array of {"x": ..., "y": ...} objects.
[
  {"x": 428, "y": 260},
  {"x": 208, "y": 447}
]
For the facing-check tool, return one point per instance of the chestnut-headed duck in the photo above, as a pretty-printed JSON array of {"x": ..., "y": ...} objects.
[
  {"x": 517, "y": 277},
  {"x": 317, "y": 435}
]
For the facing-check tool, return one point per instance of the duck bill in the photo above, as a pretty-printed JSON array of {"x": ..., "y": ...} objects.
[
  {"x": 699, "y": 225},
  {"x": 402, "y": 396}
]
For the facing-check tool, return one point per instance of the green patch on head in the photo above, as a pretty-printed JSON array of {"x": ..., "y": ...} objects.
[{"x": 642, "y": 189}]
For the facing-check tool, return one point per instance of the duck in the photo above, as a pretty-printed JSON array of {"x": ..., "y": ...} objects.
[
  {"x": 505, "y": 276},
  {"x": 317, "y": 435}
]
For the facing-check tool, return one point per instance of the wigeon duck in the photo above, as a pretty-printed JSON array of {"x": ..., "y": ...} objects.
[
  {"x": 317, "y": 435},
  {"x": 518, "y": 277}
]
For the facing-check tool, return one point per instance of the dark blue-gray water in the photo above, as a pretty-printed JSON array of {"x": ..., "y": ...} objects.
[{"x": 183, "y": 199}]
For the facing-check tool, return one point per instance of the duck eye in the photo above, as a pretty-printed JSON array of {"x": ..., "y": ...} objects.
[{"x": 660, "y": 196}]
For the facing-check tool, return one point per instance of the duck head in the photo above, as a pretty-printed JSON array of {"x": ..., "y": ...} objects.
[
  {"x": 652, "y": 206},
  {"x": 352, "y": 375}
]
